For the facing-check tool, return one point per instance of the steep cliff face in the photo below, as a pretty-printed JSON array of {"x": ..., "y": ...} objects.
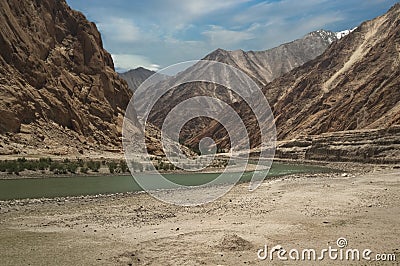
[
  {"x": 55, "y": 78},
  {"x": 366, "y": 145}
]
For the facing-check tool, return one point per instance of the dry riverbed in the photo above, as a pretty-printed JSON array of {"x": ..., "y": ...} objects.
[{"x": 298, "y": 211}]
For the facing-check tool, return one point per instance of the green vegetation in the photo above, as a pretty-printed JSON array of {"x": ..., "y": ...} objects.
[
  {"x": 22, "y": 164},
  {"x": 84, "y": 170},
  {"x": 112, "y": 166},
  {"x": 122, "y": 167},
  {"x": 56, "y": 167},
  {"x": 75, "y": 166},
  {"x": 166, "y": 165},
  {"x": 72, "y": 168},
  {"x": 93, "y": 165}
]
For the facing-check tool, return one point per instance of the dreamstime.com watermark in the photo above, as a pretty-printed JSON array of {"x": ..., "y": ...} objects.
[{"x": 339, "y": 252}]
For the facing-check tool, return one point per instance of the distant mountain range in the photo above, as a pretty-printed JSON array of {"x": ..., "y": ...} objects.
[
  {"x": 264, "y": 66},
  {"x": 261, "y": 66},
  {"x": 135, "y": 77}
]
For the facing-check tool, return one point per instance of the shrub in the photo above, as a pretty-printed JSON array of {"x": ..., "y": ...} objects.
[
  {"x": 3, "y": 166},
  {"x": 94, "y": 165},
  {"x": 58, "y": 168},
  {"x": 44, "y": 163},
  {"x": 84, "y": 170},
  {"x": 47, "y": 160},
  {"x": 13, "y": 167},
  {"x": 21, "y": 160},
  {"x": 53, "y": 166},
  {"x": 30, "y": 165},
  {"x": 72, "y": 167},
  {"x": 80, "y": 162},
  {"x": 112, "y": 166},
  {"x": 123, "y": 166}
]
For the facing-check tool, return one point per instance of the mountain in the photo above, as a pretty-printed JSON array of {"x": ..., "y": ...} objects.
[
  {"x": 135, "y": 77},
  {"x": 59, "y": 92},
  {"x": 352, "y": 87},
  {"x": 262, "y": 67}
]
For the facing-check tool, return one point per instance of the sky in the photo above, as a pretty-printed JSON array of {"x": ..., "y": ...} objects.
[{"x": 157, "y": 33}]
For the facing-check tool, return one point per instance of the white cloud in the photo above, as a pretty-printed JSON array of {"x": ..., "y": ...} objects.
[
  {"x": 278, "y": 22},
  {"x": 280, "y": 10},
  {"x": 120, "y": 29},
  {"x": 164, "y": 32},
  {"x": 221, "y": 37},
  {"x": 130, "y": 61},
  {"x": 196, "y": 8},
  {"x": 319, "y": 21}
]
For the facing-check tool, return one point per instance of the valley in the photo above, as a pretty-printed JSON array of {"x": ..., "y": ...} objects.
[{"x": 317, "y": 117}]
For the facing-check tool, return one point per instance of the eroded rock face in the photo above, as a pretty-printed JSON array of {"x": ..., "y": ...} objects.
[
  {"x": 366, "y": 145},
  {"x": 54, "y": 70},
  {"x": 353, "y": 85},
  {"x": 261, "y": 66}
]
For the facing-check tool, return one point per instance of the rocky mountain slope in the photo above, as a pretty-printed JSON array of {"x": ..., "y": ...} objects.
[
  {"x": 353, "y": 85},
  {"x": 135, "y": 77},
  {"x": 58, "y": 88},
  {"x": 264, "y": 66},
  {"x": 261, "y": 66}
]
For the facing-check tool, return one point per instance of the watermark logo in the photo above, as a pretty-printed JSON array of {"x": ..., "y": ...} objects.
[
  {"x": 338, "y": 252},
  {"x": 214, "y": 76},
  {"x": 341, "y": 242}
]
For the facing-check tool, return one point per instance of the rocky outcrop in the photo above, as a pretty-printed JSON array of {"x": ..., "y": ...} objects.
[
  {"x": 367, "y": 146},
  {"x": 57, "y": 82}
]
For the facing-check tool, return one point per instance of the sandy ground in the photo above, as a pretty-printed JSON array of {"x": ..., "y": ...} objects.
[{"x": 296, "y": 212}]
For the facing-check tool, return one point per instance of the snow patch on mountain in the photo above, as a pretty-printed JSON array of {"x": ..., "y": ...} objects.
[
  {"x": 343, "y": 33},
  {"x": 327, "y": 35}
]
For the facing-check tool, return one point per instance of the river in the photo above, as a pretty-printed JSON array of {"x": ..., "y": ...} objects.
[{"x": 23, "y": 188}]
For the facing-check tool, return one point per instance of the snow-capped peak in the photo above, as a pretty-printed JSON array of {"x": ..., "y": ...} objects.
[
  {"x": 327, "y": 35},
  {"x": 343, "y": 33}
]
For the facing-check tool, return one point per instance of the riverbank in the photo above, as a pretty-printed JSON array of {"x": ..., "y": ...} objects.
[
  {"x": 299, "y": 211},
  {"x": 104, "y": 170}
]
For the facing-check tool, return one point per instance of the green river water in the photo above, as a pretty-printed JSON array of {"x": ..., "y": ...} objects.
[{"x": 23, "y": 188}]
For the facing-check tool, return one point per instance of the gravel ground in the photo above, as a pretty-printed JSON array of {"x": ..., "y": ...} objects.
[{"x": 298, "y": 211}]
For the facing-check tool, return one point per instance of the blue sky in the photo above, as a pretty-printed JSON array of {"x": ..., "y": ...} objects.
[{"x": 157, "y": 33}]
